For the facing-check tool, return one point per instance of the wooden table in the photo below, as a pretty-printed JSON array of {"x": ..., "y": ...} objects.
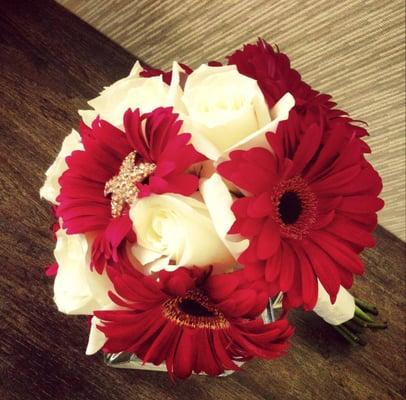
[{"x": 51, "y": 62}]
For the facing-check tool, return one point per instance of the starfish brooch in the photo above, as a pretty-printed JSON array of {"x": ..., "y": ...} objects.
[{"x": 122, "y": 187}]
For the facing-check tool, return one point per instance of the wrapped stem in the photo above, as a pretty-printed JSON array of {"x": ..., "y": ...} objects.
[{"x": 363, "y": 319}]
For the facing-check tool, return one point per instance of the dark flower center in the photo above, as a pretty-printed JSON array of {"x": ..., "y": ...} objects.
[
  {"x": 194, "y": 310},
  {"x": 290, "y": 207},
  {"x": 295, "y": 207}
]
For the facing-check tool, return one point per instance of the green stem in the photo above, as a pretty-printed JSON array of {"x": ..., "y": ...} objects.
[
  {"x": 349, "y": 336},
  {"x": 362, "y": 315},
  {"x": 352, "y": 326},
  {"x": 360, "y": 322},
  {"x": 377, "y": 325},
  {"x": 366, "y": 306}
]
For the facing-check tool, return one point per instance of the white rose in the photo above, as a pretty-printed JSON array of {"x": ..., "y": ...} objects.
[
  {"x": 223, "y": 105},
  {"x": 77, "y": 289},
  {"x": 218, "y": 201},
  {"x": 132, "y": 92},
  {"x": 50, "y": 189},
  {"x": 174, "y": 230},
  {"x": 339, "y": 312}
]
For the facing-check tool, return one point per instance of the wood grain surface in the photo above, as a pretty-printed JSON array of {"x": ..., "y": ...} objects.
[{"x": 50, "y": 63}]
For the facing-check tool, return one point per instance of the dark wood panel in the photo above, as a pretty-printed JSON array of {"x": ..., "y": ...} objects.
[{"x": 50, "y": 63}]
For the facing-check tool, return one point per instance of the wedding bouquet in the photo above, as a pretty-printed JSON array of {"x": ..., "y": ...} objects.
[{"x": 190, "y": 199}]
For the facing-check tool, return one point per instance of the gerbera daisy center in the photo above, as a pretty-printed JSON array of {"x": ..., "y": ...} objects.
[
  {"x": 122, "y": 187},
  {"x": 290, "y": 207},
  {"x": 194, "y": 310},
  {"x": 295, "y": 207}
]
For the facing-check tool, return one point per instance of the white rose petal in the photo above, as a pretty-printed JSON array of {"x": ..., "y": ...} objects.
[
  {"x": 50, "y": 189},
  {"x": 279, "y": 112},
  {"x": 218, "y": 201},
  {"x": 77, "y": 289},
  {"x": 178, "y": 229},
  {"x": 339, "y": 312},
  {"x": 200, "y": 142},
  {"x": 223, "y": 105},
  {"x": 97, "y": 339},
  {"x": 136, "y": 69},
  {"x": 143, "y": 255},
  {"x": 160, "y": 264},
  {"x": 175, "y": 91},
  {"x": 130, "y": 92}
]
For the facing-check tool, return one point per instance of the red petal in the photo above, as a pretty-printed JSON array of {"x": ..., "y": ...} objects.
[
  {"x": 268, "y": 240},
  {"x": 308, "y": 146},
  {"x": 221, "y": 286},
  {"x": 353, "y": 232},
  {"x": 274, "y": 266},
  {"x": 260, "y": 206},
  {"x": 287, "y": 268},
  {"x": 182, "y": 184},
  {"x": 185, "y": 354},
  {"x": 309, "y": 281},
  {"x": 334, "y": 181},
  {"x": 339, "y": 251},
  {"x": 361, "y": 204},
  {"x": 325, "y": 268}
]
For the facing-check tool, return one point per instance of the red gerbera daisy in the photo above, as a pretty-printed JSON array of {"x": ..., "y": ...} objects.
[
  {"x": 275, "y": 77},
  {"x": 192, "y": 322},
  {"x": 310, "y": 208},
  {"x": 115, "y": 167},
  {"x": 272, "y": 70}
]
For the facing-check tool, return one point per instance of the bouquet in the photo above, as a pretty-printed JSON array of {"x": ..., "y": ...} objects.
[{"x": 193, "y": 203}]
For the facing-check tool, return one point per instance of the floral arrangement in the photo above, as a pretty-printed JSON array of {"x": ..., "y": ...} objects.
[{"x": 193, "y": 201}]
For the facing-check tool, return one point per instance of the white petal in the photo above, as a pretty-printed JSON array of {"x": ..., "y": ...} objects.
[
  {"x": 77, "y": 289},
  {"x": 225, "y": 105},
  {"x": 181, "y": 229},
  {"x": 339, "y": 312},
  {"x": 136, "y": 69},
  {"x": 88, "y": 116},
  {"x": 279, "y": 112},
  {"x": 199, "y": 140},
  {"x": 218, "y": 201},
  {"x": 143, "y": 255},
  {"x": 160, "y": 264},
  {"x": 97, "y": 339},
  {"x": 50, "y": 189},
  {"x": 175, "y": 92},
  {"x": 261, "y": 110},
  {"x": 133, "y": 92}
]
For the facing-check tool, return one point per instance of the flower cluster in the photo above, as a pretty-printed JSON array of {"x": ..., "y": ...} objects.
[{"x": 189, "y": 198}]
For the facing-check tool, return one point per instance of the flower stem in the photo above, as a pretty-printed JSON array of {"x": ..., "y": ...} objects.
[
  {"x": 362, "y": 320},
  {"x": 362, "y": 315},
  {"x": 352, "y": 326},
  {"x": 366, "y": 306},
  {"x": 359, "y": 321},
  {"x": 376, "y": 325},
  {"x": 350, "y": 336}
]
